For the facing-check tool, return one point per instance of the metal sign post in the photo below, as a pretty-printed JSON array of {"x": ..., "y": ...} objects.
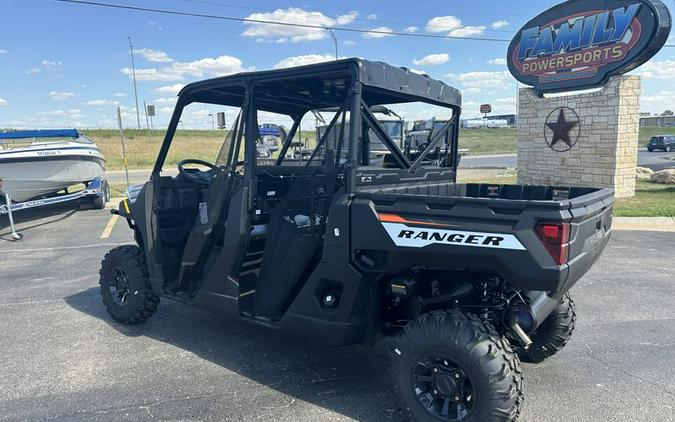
[
  {"x": 124, "y": 149},
  {"x": 150, "y": 110},
  {"x": 485, "y": 109}
]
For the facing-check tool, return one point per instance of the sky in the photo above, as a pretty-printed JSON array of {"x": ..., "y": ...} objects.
[{"x": 68, "y": 65}]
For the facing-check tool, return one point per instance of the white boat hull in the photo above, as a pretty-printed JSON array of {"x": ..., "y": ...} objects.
[{"x": 31, "y": 173}]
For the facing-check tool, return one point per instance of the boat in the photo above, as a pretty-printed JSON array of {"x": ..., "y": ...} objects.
[{"x": 40, "y": 163}]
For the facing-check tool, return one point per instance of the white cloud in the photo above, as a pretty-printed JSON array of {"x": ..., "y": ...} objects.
[
  {"x": 380, "y": 32},
  {"x": 3, "y": 102},
  {"x": 60, "y": 96},
  {"x": 169, "y": 89},
  {"x": 498, "y": 61},
  {"x": 51, "y": 65},
  {"x": 153, "y": 74},
  {"x": 348, "y": 43},
  {"x": 452, "y": 26},
  {"x": 303, "y": 60},
  {"x": 165, "y": 100},
  {"x": 32, "y": 71},
  {"x": 3, "y": 51},
  {"x": 154, "y": 24},
  {"x": 347, "y": 18},
  {"x": 481, "y": 80},
  {"x": 467, "y": 31},
  {"x": 154, "y": 55},
  {"x": 443, "y": 24},
  {"x": 73, "y": 113},
  {"x": 283, "y": 33},
  {"x": 222, "y": 65},
  {"x": 657, "y": 103},
  {"x": 119, "y": 94},
  {"x": 499, "y": 24},
  {"x": 208, "y": 66},
  {"x": 372, "y": 17},
  {"x": 411, "y": 29},
  {"x": 100, "y": 103},
  {"x": 663, "y": 70},
  {"x": 432, "y": 59}
]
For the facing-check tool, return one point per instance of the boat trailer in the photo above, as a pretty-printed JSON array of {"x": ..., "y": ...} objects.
[{"x": 93, "y": 190}]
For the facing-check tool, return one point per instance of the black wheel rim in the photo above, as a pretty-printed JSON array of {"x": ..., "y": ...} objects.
[
  {"x": 119, "y": 287},
  {"x": 443, "y": 388}
]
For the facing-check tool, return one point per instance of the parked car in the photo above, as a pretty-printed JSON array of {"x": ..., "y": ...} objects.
[{"x": 663, "y": 142}]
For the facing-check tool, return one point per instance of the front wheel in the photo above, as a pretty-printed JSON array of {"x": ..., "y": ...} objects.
[
  {"x": 650, "y": 149},
  {"x": 668, "y": 148},
  {"x": 125, "y": 286},
  {"x": 451, "y": 366}
]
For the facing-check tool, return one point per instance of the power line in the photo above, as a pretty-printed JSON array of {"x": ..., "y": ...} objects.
[{"x": 262, "y": 21}]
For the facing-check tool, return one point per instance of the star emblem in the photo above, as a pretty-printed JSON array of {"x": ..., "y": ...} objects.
[{"x": 563, "y": 137}]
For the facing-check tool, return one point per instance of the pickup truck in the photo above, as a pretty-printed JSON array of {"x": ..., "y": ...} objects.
[{"x": 466, "y": 279}]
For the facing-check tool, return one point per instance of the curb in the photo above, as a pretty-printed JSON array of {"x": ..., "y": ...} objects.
[{"x": 658, "y": 224}]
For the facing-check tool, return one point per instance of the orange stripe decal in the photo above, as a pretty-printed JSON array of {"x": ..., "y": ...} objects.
[{"x": 393, "y": 218}]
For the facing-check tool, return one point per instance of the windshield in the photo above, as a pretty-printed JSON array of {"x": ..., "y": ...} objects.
[
  {"x": 224, "y": 154},
  {"x": 393, "y": 128}
]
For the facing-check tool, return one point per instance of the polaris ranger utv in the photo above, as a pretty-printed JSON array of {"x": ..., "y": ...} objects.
[{"x": 467, "y": 278}]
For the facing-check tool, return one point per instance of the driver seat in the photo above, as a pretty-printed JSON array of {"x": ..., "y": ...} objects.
[{"x": 208, "y": 216}]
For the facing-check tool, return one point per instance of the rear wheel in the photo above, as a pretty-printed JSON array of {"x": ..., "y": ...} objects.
[
  {"x": 650, "y": 149},
  {"x": 125, "y": 286},
  {"x": 553, "y": 334},
  {"x": 451, "y": 366}
]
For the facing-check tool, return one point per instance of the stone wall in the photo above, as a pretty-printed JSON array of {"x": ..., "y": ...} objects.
[{"x": 606, "y": 136}]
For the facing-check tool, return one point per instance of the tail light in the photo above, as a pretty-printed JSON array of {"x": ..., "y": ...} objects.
[{"x": 555, "y": 237}]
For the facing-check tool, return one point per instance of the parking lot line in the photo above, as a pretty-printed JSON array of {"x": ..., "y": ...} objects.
[{"x": 109, "y": 227}]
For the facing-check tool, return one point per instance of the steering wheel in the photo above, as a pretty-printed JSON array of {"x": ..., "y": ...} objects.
[
  {"x": 421, "y": 147},
  {"x": 199, "y": 177}
]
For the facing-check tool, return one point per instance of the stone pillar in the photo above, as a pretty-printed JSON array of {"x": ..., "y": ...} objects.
[{"x": 593, "y": 143}]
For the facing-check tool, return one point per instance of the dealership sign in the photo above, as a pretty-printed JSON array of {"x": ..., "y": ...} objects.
[{"x": 581, "y": 43}]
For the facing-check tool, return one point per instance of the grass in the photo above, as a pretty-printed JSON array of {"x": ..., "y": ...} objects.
[
  {"x": 650, "y": 200},
  {"x": 142, "y": 146},
  {"x": 488, "y": 141}
]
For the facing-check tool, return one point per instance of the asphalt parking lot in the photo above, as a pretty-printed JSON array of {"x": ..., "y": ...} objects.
[{"x": 63, "y": 358}]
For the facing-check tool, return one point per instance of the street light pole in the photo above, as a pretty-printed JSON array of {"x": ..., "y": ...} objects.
[
  {"x": 133, "y": 72},
  {"x": 335, "y": 41}
]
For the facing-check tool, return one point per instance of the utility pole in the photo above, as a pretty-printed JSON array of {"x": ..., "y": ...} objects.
[
  {"x": 335, "y": 41},
  {"x": 145, "y": 109},
  {"x": 133, "y": 72}
]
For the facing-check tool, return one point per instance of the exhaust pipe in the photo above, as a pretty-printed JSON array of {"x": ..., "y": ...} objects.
[
  {"x": 512, "y": 322},
  {"x": 525, "y": 319}
]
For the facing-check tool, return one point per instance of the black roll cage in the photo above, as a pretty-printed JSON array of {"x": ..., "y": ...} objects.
[{"x": 362, "y": 77}]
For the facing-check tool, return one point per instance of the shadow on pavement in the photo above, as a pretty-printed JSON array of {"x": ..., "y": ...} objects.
[
  {"x": 47, "y": 215},
  {"x": 351, "y": 381}
]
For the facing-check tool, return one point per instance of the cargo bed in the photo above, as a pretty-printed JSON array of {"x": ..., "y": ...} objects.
[{"x": 480, "y": 212}]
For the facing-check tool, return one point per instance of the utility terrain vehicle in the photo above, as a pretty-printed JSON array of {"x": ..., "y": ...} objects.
[{"x": 465, "y": 277}]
